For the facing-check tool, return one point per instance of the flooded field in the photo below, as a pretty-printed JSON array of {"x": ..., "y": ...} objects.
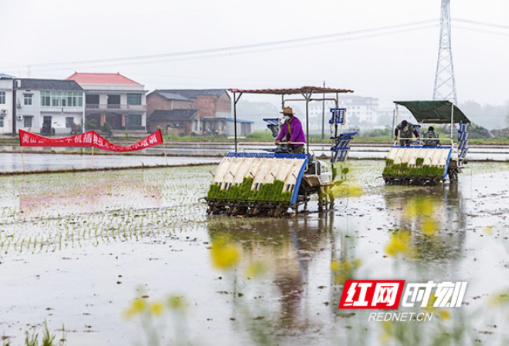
[
  {"x": 11, "y": 162},
  {"x": 358, "y": 151},
  {"x": 130, "y": 258}
]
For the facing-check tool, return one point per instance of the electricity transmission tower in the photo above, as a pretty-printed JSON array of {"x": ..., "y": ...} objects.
[{"x": 445, "y": 86}]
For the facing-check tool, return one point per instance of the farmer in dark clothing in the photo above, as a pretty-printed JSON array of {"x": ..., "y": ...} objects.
[
  {"x": 407, "y": 130},
  {"x": 431, "y": 138}
]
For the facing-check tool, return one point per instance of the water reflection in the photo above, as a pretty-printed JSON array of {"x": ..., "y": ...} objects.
[
  {"x": 430, "y": 222},
  {"x": 288, "y": 247}
]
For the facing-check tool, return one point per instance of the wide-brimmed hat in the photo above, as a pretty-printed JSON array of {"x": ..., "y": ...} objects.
[{"x": 287, "y": 111}]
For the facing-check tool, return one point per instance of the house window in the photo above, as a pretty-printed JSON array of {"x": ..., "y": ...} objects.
[
  {"x": 27, "y": 121},
  {"x": 134, "y": 120},
  {"x": 27, "y": 99},
  {"x": 61, "y": 98},
  {"x": 69, "y": 122},
  {"x": 1, "y": 121},
  {"x": 134, "y": 99},
  {"x": 2, "y": 97},
  {"x": 56, "y": 97}
]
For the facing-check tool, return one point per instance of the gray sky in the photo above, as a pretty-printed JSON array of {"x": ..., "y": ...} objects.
[{"x": 388, "y": 64}]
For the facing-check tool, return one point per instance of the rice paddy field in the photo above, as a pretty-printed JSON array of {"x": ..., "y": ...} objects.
[{"x": 130, "y": 258}]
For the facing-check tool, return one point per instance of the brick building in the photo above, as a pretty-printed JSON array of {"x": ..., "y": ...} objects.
[
  {"x": 175, "y": 121},
  {"x": 206, "y": 111}
]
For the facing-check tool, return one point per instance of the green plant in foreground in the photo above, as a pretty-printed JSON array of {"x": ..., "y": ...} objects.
[{"x": 48, "y": 339}]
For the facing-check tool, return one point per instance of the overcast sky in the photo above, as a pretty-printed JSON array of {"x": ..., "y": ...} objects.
[{"x": 389, "y": 64}]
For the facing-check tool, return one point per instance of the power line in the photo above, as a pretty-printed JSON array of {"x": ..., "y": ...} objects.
[
  {"x": 481, "y": 30},
  {"x": 234, "y": 48},
  {"x": 480, "y": 23},
  {"x": 239, "y": 52}
]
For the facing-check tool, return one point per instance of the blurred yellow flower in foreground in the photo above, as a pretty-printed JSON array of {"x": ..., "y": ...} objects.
[
  {"x": 334, "y": 265},
  {"x": 429, "y": 226},
  {"x": 137, "y": 307},
  {"x": 255, "y": 269},
  {"x": 384, "y": 338},
  {"x": 357, "y": 262},
  {"x": 339, "y": 279},
  {"x": 398, "y": 244},
  {"x": 488, "y": 230},
  {"x": 420, "y": 206},
  {"x": 343, "y": 270},
  {"x": 499, "y": 299},
  {"x": 346, "y": 190},
  {"x": 224, "y": 255},
  {"x": 445, "y": 314},
  {"x": 176, "y": 302},
  {"x": 156, "y": 308}
]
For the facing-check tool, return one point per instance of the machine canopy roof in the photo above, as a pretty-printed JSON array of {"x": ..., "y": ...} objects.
[
  {"x": 291, "y": 91},
  {"x": 436, "y": 112}
]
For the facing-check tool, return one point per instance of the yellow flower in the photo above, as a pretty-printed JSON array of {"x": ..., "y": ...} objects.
[
  {"x": 419, "y": 207},
  {"x": 334, "y": 265},
  {"x": 488, "y": 230},
  {"x": 156, "y": 308},
  {"x": 339, "y": 279},
  {"x": 429, "y": 226},
  {"x": 137, "y": 307},
  {"x": 445, "y": 314},
  {"x": 499, "y": 299},
  {"x": 387, "y": 326},
  {"x": 176, "y": 303},
  {"x": 398, "y": 244},
  {"x": 411, "y": 210},
  {"x": 384, "y": 338},
  {"x": 347, "y": 189},
  {"x": 429, "y": 307},
  {"x": 255, "y": 269},
  {"x": 224, "y": 255}
]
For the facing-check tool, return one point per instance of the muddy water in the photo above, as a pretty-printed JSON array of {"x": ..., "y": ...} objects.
[{"x": 76, "y": 249}]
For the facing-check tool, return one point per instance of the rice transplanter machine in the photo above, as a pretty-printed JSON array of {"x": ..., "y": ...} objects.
[{"x": 272, "y": 182}]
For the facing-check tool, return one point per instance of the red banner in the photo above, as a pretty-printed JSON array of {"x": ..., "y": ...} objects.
[{"x": 87, "y": 139}]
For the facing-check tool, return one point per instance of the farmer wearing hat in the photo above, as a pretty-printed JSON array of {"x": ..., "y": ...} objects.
[
  {"x": 406, "y": 133},
  {"x": 292, "y": 131}
]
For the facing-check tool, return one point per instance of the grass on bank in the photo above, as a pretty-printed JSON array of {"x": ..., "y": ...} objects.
[{"x": 373, "y": 136}]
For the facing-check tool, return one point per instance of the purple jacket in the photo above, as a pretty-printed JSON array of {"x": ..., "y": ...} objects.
[{"x": 296, "y": 132}]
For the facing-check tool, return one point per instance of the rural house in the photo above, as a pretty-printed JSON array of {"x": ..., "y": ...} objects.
[{"x": 114, "y": 99}]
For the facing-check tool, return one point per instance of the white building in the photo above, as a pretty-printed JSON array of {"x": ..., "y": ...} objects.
[
  {"x": 6, "y": 83},
  {"x": 362, "y": 109},
  {"x": 114, "y": 99},
  {"x": 48, "y": 106}
]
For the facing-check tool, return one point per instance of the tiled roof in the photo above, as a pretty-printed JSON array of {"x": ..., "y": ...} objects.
[
  {"x": 173, "y": 115},
  {"x": 171, "y": 96},
  {"x": 49, "y": 84},
  {"x": 194, "y": 93},
  {"x": 101, "y": 78}
]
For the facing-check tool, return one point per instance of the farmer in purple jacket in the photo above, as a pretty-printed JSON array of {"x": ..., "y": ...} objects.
[{"x": 292, "y": 131}]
